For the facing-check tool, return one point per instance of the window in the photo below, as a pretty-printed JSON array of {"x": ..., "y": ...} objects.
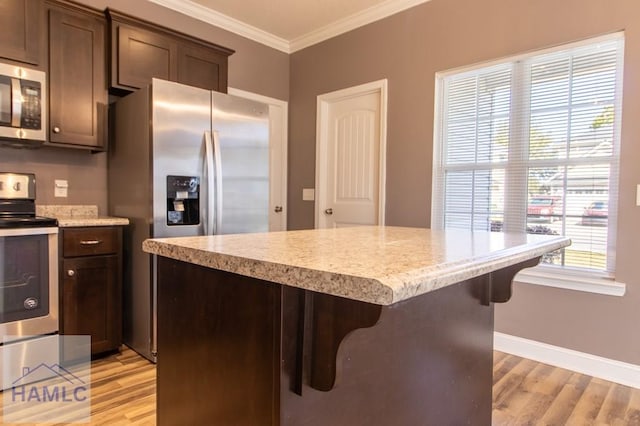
[{"x": 531, "y": 144}]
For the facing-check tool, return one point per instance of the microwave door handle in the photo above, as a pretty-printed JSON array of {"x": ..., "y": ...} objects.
[
  {"x": 218, "y": 195},
  {"x": 208, "y": 150},
  {"x": 16, "y": 102}
]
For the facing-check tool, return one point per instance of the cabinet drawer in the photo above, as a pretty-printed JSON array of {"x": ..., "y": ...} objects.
[{"x": 90, "y": 241}]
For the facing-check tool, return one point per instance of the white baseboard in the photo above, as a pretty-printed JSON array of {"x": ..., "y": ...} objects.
[{"x": 580, "y": 362}]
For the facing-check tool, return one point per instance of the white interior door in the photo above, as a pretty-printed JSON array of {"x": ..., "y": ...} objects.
[
  {"x": 278, "y": 114},
  {"x": 350, "y": 156}
]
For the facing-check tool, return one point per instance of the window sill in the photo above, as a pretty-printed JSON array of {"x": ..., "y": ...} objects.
[{"x": 572, "y": 280}]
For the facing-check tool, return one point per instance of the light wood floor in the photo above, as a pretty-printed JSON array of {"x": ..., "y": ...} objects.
[
  {"x": 123, "y": 391},
  {"x": 525, "y": 392}
]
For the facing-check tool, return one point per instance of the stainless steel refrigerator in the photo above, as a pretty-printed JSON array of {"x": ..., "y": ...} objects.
[{"x": 183, "y": 161}]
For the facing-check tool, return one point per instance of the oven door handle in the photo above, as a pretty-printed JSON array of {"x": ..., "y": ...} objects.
[{"x": 19, "y": 232}]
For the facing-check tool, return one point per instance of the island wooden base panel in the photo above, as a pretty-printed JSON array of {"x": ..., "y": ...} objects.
[
  {"x": 525, "y": 392},
  {"x": 217, "y": 347},
  {"x": 427, "y": 360}
]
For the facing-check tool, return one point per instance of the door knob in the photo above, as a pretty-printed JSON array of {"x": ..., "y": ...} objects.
[
  {"x": 71, "y": 272},
  {"x": 328, "y": 211},
  {"x": 278, "y": 209}
]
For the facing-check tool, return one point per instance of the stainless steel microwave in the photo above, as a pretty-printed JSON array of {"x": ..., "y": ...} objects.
[{"x": 22, "y": 105}]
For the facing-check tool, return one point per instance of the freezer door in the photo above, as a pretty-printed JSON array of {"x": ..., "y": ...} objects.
[
  {"x": 240, "y": 130},
  {"x": 181, "y": 116}
]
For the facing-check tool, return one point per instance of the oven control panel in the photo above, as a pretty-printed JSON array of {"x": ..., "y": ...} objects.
[{"x": 17, "y": 186}]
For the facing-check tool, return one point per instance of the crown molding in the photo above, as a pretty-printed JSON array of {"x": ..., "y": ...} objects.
[
  {"x": 351, "y": 22},
  {"x": 201, "y": 13},
  {"x": 346, "y": 24}
]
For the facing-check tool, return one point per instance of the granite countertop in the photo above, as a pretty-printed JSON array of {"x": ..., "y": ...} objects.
[
  {"x": 375, "y": 264},
  {"x": 78, "y": 216}
]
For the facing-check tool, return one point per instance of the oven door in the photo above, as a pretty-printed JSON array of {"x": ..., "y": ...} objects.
[{"x": 28, "y": 282}]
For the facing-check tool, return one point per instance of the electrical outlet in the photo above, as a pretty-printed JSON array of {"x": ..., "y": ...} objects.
[
  {"x": 308, "y": 194},
  {"x": 60, "y": 188}
]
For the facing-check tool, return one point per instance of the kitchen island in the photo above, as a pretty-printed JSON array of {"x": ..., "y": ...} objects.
[{"x": 348, "y": 326}]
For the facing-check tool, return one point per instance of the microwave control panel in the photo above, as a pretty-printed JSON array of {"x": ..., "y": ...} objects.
[{"x": 31, "y": 105}]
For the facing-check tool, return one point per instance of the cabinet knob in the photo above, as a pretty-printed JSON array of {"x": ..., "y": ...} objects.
[
  {"x": 71, "y": 272},
  {"x": 278, "y": 209},
  {"x": 56, "y": 129},
  {"x": 328, "y": 211}
]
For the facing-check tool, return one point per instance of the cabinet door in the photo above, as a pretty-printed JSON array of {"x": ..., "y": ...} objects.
[
  {"x": 142, "y": 55},
  {"x": 203, "y": 67},
  {"x": 21, "y": 21},
  {"x": 91, "y": 300},
  {"x": 77, "y": 79}
]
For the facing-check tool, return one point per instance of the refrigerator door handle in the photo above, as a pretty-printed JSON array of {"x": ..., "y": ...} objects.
[
  {"x": 210, "y": 173},
  {"x": 218, "y": 193}
]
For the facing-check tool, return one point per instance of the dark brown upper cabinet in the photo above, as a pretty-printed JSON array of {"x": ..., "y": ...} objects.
[
  {"x": 203, "y": 67},
  {"x": 21, "y": 24},
  {"x": 141, "y": 51},
  {"x": 142, "y": 55},
  {"x": 78, "y": 97}
]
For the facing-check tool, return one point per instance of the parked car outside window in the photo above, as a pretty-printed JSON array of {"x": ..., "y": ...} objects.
[
  {"x": 597, "y": 213},
  {"x": 545, "y": 207}
]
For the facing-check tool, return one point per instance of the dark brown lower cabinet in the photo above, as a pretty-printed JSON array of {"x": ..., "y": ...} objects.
[{"x": 91, "y": 286}]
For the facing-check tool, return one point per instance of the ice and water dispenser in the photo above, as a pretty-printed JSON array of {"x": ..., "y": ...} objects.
[{"x": 183, "y": 200}]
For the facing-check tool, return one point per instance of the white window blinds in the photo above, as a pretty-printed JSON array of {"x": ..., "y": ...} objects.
[{"x": 531, "y": 144}]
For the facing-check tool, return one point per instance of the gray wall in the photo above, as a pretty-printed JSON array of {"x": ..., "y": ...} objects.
[
  {"x": 408, "y": 49},
  {"x": 254, "y": 68}
]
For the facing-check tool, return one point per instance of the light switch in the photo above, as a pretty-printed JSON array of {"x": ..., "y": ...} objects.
[
  {"x": 308, "y": 194},
  {"x": 60, "y": 188}
]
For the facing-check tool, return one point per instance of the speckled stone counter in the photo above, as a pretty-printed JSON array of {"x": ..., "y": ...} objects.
[
  {"x": 381, "y": 265},
  {"x": 79, "y": 216},
  {"x": 372, "y": 326}
]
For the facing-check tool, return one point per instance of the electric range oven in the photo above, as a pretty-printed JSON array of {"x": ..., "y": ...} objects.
[{"x": 28, "y": 263}]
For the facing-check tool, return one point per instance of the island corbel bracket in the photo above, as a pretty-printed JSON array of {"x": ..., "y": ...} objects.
[
  {"x": 499, "y": 284},
  {"x": 333, "y": 319}
]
